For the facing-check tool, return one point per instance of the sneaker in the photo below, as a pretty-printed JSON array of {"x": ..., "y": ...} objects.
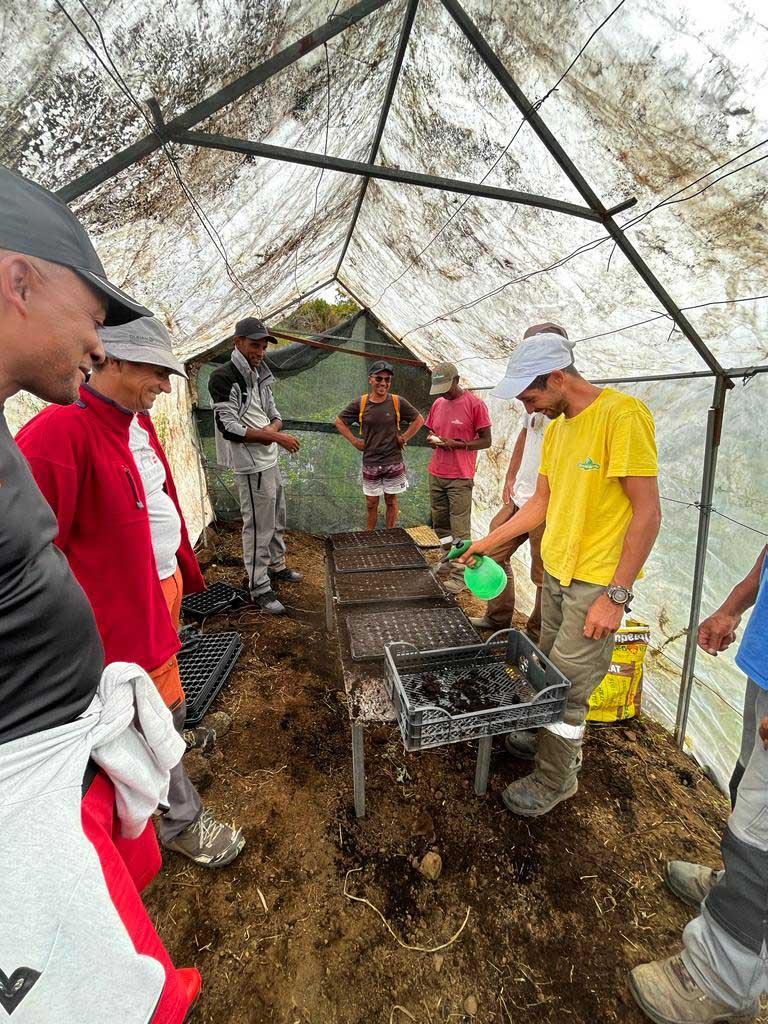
[
  {"x": 285, "y": 575},
  {"x": 201, "y": 739},
  {"x": 691, "y": 883},
  {"x": 191, "y": 982},
  {"x": 530, "y": 797},
  {"x": 208, "y": 842},
  {"x": 483, "y": 622},
  {"x": 667, "y": 994},
  {"x": 522, "y": 744},
  {"x": 268, "y": 602}
]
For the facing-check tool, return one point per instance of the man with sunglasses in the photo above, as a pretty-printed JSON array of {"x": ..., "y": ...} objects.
[{"x": 380, "y": 416}]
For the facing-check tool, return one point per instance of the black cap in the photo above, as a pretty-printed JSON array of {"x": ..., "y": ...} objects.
[
  {"x": 252, "y": 328},
  {"x": 379, "y": 366},
  {"x": 34, "y": 222}
]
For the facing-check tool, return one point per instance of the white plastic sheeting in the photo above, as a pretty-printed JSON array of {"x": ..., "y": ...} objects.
[{"x": 662, "y": 95}]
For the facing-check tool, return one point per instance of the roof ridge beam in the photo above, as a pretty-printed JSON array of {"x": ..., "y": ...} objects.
[
  {"x": 577, "y": 179},
  {"x": 221, "y": 98},
  {"x": 335, "y": 163},
  {"x": 394, "y": 77}
]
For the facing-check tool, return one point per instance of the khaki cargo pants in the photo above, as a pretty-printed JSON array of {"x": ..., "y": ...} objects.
[
  {"x": 451, "y": 504},
  {"x": 583, "y": 661}
]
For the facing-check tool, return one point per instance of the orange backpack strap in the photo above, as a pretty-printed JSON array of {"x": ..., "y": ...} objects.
[
  {"x": 363, "y": 403},
  {"x": 396, "y": 403}
]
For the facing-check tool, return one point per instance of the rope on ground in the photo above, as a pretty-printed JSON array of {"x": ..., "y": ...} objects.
[{"x": 405, "y": 945}]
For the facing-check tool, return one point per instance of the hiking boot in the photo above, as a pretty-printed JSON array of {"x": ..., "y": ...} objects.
[
  {"x": 665, "y": 991},
  {"x": 201, "y": 739},
  {"x": 522, "y": 743},
  {"x": 268, "y": 602},
  {"x": 454, "y": 584},
  {"x": 530, "y": 797},
  {"x": 691, "y": 883},
  {"x": 191, "y": 982},
  {"x": 285, "y": 575},
  {"x": 483, "y": 622},
  {"x": 208, "y": 842}
]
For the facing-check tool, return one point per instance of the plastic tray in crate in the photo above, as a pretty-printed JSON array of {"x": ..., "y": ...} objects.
[
  {"x": 205, "y": 663},
  {"x": 215, "y": 599},
  {"x": 425, "y": 628},
  {"x": 401, "y": 556},
  {"x": 370, "y": 539},
  {"x": 463, "y": 693},
  {"x": 387, "y": 587}
]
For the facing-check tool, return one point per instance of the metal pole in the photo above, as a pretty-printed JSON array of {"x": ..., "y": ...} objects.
[
  {"x": 577, "y": 179},
  {"x": 299, "y": 299},
  {"x": 712, "y": 444},
  {"x": 336, "y": 163},
  {"x": 394, "y": 75},
  {"x": 228, "y": 94}
]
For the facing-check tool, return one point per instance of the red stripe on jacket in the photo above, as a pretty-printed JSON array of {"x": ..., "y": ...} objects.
[{"x": 81, "y": 459}]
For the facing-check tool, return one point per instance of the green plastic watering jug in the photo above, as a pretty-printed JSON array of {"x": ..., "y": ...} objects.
[{"x": 486, "y": 578}]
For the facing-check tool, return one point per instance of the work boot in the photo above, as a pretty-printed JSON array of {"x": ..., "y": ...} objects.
[
  {"x": 532, "y": 797},
  {"x": 483, "y": 622},
  {"x": 665, "y": 991},
  {"x": 691, "y": 883},
  {"x": 202, "y": 739},
  {"x": 454, "y": 584},
  {"x": 285, "y": 575},
  {"x": 268, "y": 602},
  {"x": 522, "y": 743},
  {"x": 208, "y": 842}
]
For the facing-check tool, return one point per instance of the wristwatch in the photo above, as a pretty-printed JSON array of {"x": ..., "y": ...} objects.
[{"x": 619, "y": 595}]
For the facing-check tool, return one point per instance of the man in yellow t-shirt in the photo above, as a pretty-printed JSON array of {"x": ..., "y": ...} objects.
[{"x": 598, "y": 492}]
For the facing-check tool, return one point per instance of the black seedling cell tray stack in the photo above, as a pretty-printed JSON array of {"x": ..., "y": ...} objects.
[
  {"x": 400, "y": 556},
  {"x": 424, "y": 628},
  {"x": 463, "y": 693},
  {"x": 355, "y": 588},
  {"x": 205, "y": 663},
  {"x": 216, "y": 598},
  {"x": 370, "y": 539}
]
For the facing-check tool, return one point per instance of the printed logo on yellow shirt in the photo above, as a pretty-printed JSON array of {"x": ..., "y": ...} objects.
[{"x": 589, "y": 464}]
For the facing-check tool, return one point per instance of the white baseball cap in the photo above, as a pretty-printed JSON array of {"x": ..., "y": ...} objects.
[
  {"x": 145, "y": 340},
  {"x": 539, "y": 354}
]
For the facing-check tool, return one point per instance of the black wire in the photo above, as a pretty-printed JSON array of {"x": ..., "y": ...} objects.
[{"x": 125, "y": 89}]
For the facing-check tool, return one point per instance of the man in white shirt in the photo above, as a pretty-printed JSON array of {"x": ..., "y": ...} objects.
[{"x": 519, "y": 487}]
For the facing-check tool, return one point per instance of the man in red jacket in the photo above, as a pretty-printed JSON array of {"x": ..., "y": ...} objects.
[{"x": 103, "y": 471}]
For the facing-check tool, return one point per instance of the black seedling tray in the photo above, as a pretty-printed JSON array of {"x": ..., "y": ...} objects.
[
  {"x": 463, "y": 693},
  {"x": 356, "y": 588},
  {"x": 216, "y": 598},
  {"x": 424, "y": 628},
  {"x": 399, "y": 556},
  {"x": 205, "y": 663},
  {"x": 370, "y": 539}
]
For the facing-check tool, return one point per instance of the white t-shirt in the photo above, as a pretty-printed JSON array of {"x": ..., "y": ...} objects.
[
  {"x": 534, "y": 425},
  {"x": 164, "y": 521},
  {"x": 263, "y": 456}
]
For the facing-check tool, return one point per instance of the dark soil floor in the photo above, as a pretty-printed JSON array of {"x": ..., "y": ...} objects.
[{"x": 557, "y": 909}]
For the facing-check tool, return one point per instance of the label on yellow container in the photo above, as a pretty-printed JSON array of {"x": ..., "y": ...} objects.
[{"x": 620, "y": 693}]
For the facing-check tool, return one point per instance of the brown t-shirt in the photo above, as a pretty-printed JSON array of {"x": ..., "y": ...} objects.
[{"x": 380, "y": 428}]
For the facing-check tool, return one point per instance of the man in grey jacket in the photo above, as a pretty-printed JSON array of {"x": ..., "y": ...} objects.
[{"x": 248, "y": 434}]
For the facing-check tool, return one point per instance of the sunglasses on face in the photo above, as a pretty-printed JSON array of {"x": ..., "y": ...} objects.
[{"x": 383, "y": 380}]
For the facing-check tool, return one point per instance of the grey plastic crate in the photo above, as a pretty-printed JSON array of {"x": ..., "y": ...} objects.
[{"x": 520, "y": 689}]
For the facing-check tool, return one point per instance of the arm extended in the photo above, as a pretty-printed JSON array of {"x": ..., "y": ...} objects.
[
  {"x": 531, "y": 515},
  {"x": 718, "y": 631}
]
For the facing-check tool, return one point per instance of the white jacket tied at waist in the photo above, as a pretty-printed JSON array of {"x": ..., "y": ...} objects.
[{"x": 58, "y": 919}]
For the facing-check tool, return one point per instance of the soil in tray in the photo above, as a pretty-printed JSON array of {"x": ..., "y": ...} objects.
[{"x": 469, "y": 692}]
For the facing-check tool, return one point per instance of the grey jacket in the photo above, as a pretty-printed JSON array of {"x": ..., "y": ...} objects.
[{"x": 230, "y": 388}]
